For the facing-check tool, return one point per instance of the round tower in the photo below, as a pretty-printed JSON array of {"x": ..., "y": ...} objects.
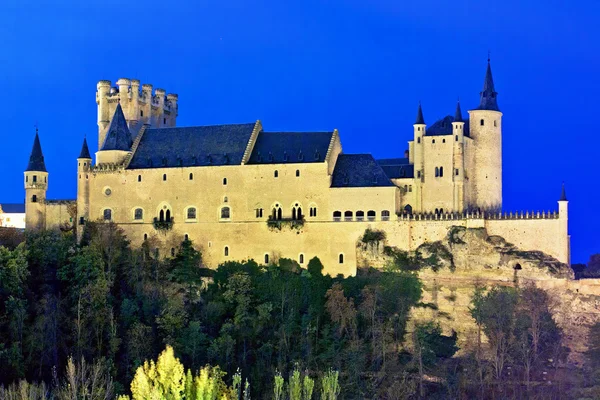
[
  {"x": 486, "y": 132},
  {"x": 103, "y": 90},
  {"x": 84, "y": 163},
  {"x": 563, "y": 234},
  {"x": 458, "y": 156},
  {"x": 419, "y": 128},
  {"x": 36, "y": 185},
  {"x": 146, "y": 106}
]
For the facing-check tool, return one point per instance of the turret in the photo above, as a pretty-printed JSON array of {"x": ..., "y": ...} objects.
[
  {"x": 171, "y": 106},
  {"x": 135, "y": 106},
  {"x": 146, "y": 105},
  {"x": 36, "y": 185},
  {"x": 159, "y": 99},
  {"x": 563, "y": 216},
  {"x": 102, "y": 93},
  {"x": 84, "y": 163},
  {"x": 419, "y": 128},
  {"x": 458, "y": 159},
  {"x": 486, "y": 132}
]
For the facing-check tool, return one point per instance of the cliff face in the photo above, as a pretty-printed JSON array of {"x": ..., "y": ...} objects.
[{"x": 451, "y": 269}]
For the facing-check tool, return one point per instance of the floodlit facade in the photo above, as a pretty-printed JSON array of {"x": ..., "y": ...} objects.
[{"x": 239, "y": 191}]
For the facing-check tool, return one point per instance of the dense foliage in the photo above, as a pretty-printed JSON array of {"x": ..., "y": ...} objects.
[{"x": 262, "y": 326}]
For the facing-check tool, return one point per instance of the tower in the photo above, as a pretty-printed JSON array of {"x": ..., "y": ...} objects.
[
  {"x": 419, "y": 128},
  {"x": 563, "y": 234},
  {"x": 84, "y": 162},
  {"x": 458, "y": 159},
  {"x": 486, "y": 132},
  {"x": 36, "y": 184}
]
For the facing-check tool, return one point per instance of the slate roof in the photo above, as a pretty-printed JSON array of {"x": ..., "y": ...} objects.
[
  {"x": 489, "y": 96},
  {"x": 85, "y": 151},
  {"x": 36, "y": 159},
  {"x": 118, "y": 136},
  {"x": 420, "y": 119},
  {"x": 444, "y": 127},
  {"x": 397, "y": 168},
  {"x": 290, "y": 147},
  {"x": 458, "y": 113},
  {"x": 563, "y": 193},
  {"x": 192, "y": 146},
  {"x": 358, "y": 170},
  {"x": 13, "y": 208}
]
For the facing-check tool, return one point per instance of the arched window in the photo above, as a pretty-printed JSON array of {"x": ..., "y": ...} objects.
[
  {"x": 168, "y": 216},
  {"x": 297, "y": 212},
  {"x": 360, "y": 215},
  {"x": 191, "y": 176},
  {"x": 385, "y": 215},
  {"x": 408, "y": 209},
  {"x": 164, "y": 177},
  {"x": 456, "y": 138},
  {"x": 341, "y": 258},
  {"x": 276, "y": 174},
  {"x": 145, "y": 236},
  {"x": 34, "y": 178},
  {"x": 191, "y": 213},
  {"x": 161, "y": 216},
  {"x": 441, "y": 171},
  {"x": 456, "y": 171},
  {"x": 186, "y": 237},
  {"x": 225, "y": 213},
  {"x": 337, "y": 215},
  {"x": 495, "y": 123},
  {"x": 172, "y": 251},
  {"x": 107, "y": 214},
  {"x": 481, "y": 122},
  {"x": 437, "y": 172},
  {"x": 419, "y": 139},
  {"x": 405, "y": 188},
  {"x": 313, "y": 211},
  {"x": 138, "y": 214},
  {"x": 266, "y": 258},
  {"x": 259, "y": 213},
  {"x": 226, "y": 251},
  {"x": 348, "y": 215},
  {"x": 297, "y": 172},
  {"x": 433, "y": 141},
  {"x": 410, "y": 188},
  {"x": 301, "y": 259},
  {"x": 225, "y": 199},
  {"x": 139, "y": 178},
  {"x": 371, "y": 215},
  {"x": 443, "y": 140},
  {"x": 224, "y": 181},
  {"x": 34, "y": 198}
]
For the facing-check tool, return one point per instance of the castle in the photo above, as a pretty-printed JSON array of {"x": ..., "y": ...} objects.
[{"x": 238, "y": 191}]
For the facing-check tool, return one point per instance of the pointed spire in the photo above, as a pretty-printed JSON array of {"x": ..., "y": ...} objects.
[
  {"x": 36, "y": 159},
  {"x": 563, "y": 194},
  {"x": 118, "y": 136},
  {"x": 488, "y": 99},
  {"x": 420, "y": 119},
  {"x": 85, "y": 151},
  {"x": 458, "y": 114}
]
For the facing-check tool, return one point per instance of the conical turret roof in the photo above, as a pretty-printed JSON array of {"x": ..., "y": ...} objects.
[
  {"x": 563, "y": 194},
  {"x": 118, "y": 136},
  {"x": 489, "y": 96},
  {"x": 85, "y": 151},
  {"x": 36, "y": 159},
  {"x": 458, "y": 114},
  {"x": 420, "y": 119}
]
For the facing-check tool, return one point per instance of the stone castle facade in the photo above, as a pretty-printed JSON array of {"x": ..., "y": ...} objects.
[{"x": 239, "y": 191}]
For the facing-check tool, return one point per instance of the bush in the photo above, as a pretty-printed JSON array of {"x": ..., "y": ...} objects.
[{"x": 373, "y": 236}]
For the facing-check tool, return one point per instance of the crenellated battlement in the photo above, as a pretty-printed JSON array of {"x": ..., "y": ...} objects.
[{"x": 140, "y": 103}]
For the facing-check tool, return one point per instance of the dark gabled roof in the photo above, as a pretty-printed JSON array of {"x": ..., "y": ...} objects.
[
  {"x": 36, "y": 159},
  {"x": 118, "y": 136},
  {"x": 397, "y": 168},
  {"x": 358, "y": 170},
  {"x": 488, "y": 96},
  {"x": 420, "y": 119},
  {"x": 192, "y": 146},
  {"x": 85, "y": 151},
  {"x": 13, "y": 208},
  {"x": 290, "y": 147},
  {"x": 444, "y": 127}
]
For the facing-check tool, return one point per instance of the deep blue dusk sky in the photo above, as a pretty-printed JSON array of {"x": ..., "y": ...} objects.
[{"x": 359, "y": 66}]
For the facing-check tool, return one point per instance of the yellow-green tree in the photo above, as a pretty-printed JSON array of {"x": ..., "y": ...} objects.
[{"x": 163, "y": 380}]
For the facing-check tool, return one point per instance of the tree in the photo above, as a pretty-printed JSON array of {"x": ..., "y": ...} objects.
[
  {"x": 164, "y": 379},
  {"x": 341, "y": 310}
]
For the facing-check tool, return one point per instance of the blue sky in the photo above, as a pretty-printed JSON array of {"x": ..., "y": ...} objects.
[{"x": 359, "y": 66}]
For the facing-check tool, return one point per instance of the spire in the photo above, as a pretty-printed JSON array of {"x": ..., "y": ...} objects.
[
  {"x": 420, "y": 119},
  {"x": 36, "y": 159},
  {"x": 118, "y": 136},
  {"x": 563, "y": 194},
  {"x": 488, "y": 99},
  {"x": 458, "y": 114},
  {"x": 85, "y": 151}
]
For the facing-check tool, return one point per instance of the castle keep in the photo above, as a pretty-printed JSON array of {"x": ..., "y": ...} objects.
[{"x": 239, "y": 191}]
